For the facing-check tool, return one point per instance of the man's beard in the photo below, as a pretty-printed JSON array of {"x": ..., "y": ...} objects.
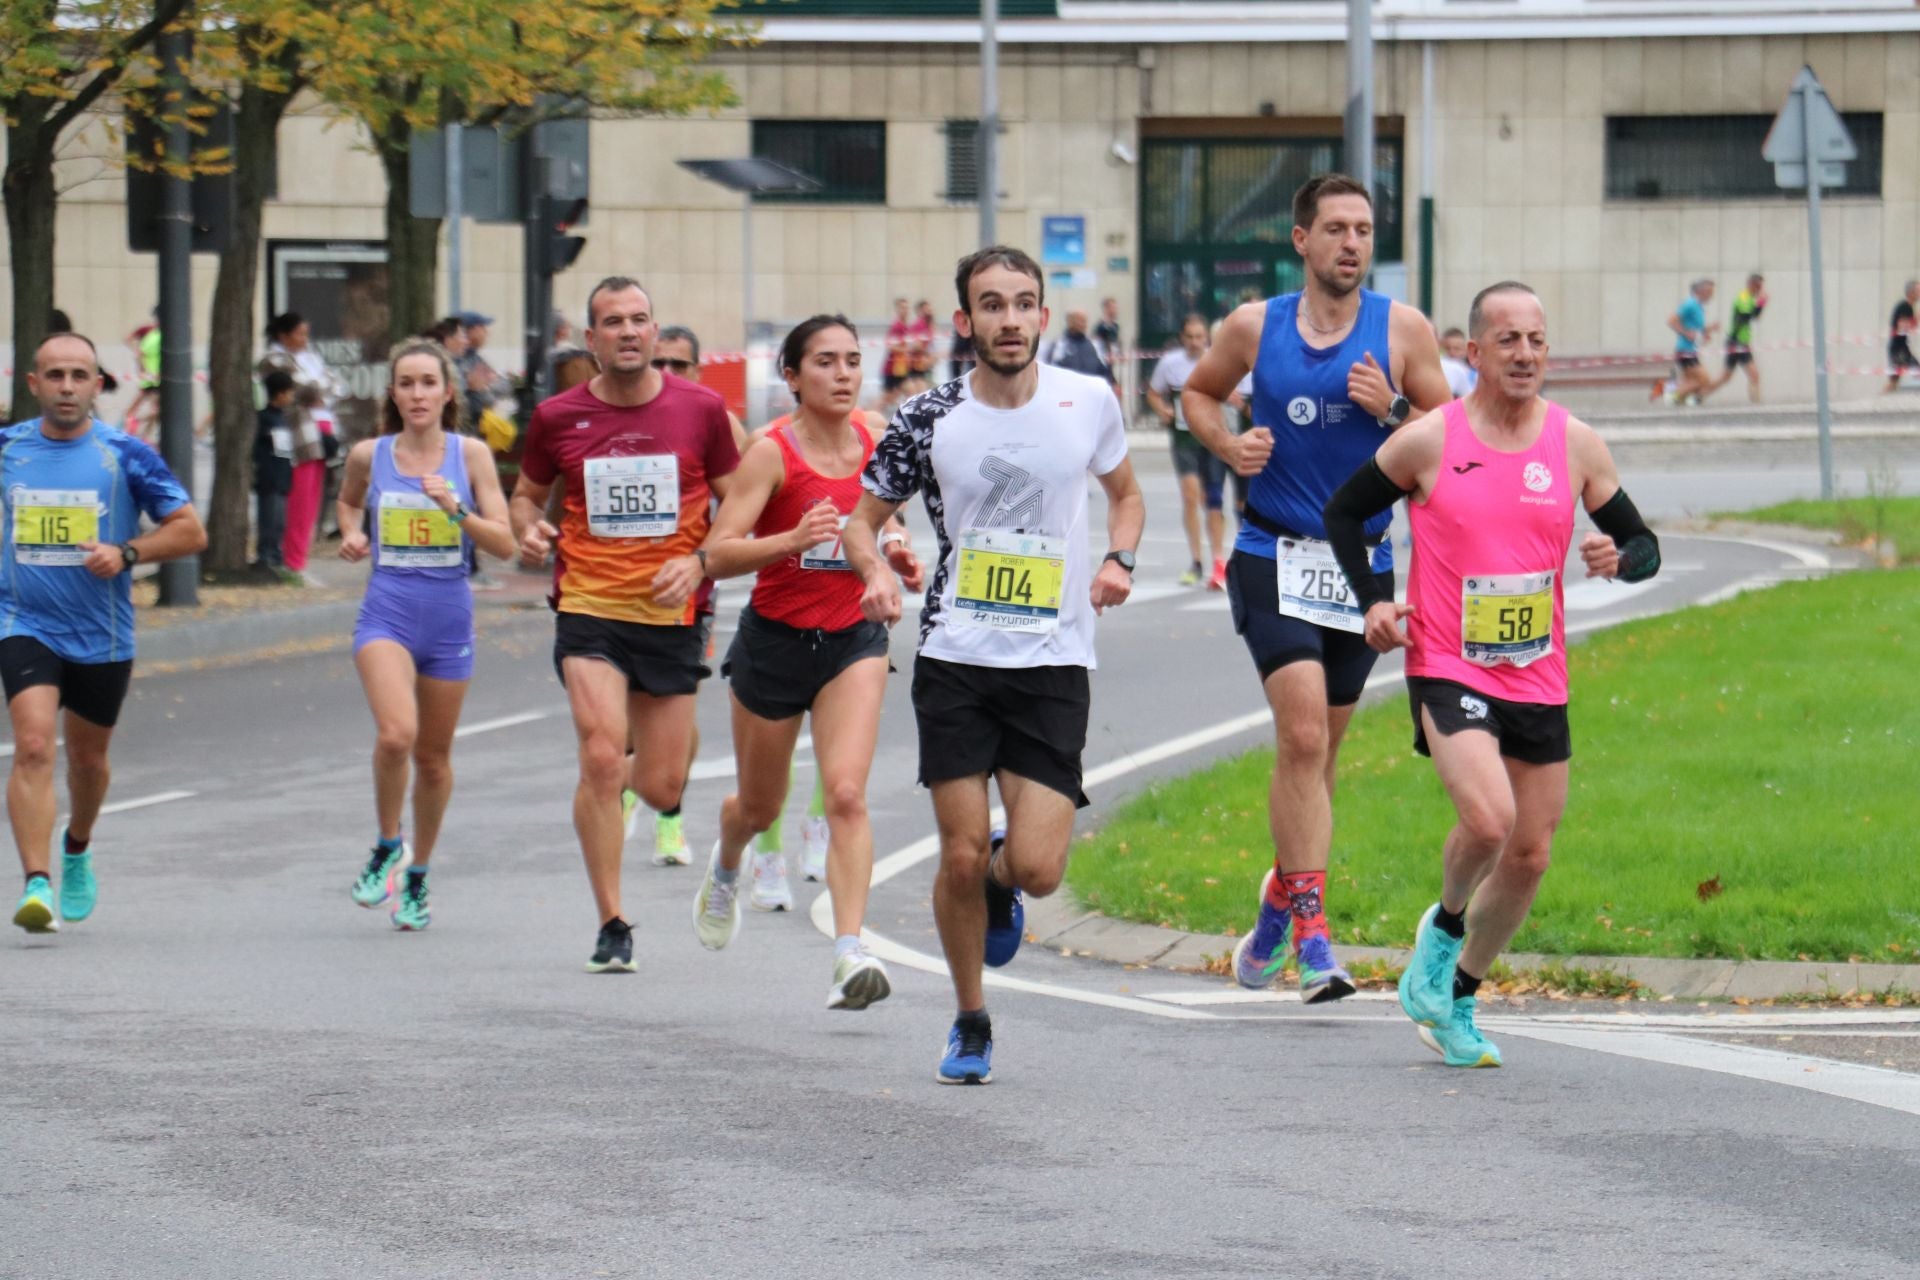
[
  {"x": 1008, "y": 369},
  {"x": 1336, "y": 287}
]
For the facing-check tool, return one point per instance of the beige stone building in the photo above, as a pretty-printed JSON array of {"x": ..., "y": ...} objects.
[{"x": 1606, "y": 152}]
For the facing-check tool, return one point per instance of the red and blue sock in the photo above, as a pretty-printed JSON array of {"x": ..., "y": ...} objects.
[{"x": 1304, "y": 895}]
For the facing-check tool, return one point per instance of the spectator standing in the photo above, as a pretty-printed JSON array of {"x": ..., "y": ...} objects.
[
  {"x": 289, "y": 347},
  {"x": 1899, "y": 339},
  {"x": 272, "y": 470},
  {"x": 1106, "y": 334},
  {"x": 899, "y": 366},
  {"x": 1453, "y": 362},
  {"x": 1074, "y": 350}
]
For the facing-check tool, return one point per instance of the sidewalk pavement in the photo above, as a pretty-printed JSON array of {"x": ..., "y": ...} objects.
[
  {"x": 1062, "y": 925},
  {"x": 242, "y": 621}
]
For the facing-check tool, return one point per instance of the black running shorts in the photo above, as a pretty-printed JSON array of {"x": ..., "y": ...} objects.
[
  {"x": 661, "y": 661},
  {"x": 94, "y": 691},
  {"x": 1276, "y": 640},
  {"x": 1530, "y": 732},
  {"x": 1031, "y": 721},
  {"x": 777, "y": 671}
]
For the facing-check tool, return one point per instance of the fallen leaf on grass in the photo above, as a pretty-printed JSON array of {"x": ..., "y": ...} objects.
[{"x": 1708, "y": 890}]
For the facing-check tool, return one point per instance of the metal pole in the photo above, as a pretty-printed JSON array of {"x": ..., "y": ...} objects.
[
  {"x": 1819, "y": 302},
  {"x": 1359, "y": 131},
  {"x": 179, "y": 579},
  {"x": 746, "y": 272},
  {"x": 989, "y": 121},
  {"x": 456, "y": 182},
  {"x": 1427, "y": 167}
]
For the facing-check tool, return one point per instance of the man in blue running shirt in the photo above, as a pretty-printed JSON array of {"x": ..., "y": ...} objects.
[
  {"x": 72, "y": 490},
  {"x": 1336, "y": 367}
]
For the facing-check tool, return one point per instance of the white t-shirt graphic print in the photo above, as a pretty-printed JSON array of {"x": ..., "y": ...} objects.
[{"x": 1015, "y": 471}]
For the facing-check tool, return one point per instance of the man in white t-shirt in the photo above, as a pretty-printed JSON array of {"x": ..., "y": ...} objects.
[
  {"x": 1000, "y": 686},
  {"x": 1202, "y": 476},
  {"x": 1453, "y": 362}
]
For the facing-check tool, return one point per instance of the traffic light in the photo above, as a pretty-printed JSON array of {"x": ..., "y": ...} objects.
[{"x": 558, "y": 245}]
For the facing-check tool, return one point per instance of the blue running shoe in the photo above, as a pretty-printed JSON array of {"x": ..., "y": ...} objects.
[
  {"x": 1458, "y": 1042},
  {"x": 1426, "y": 986},
  {"x": 1321, "y": 977},
  {"x": 78, "y": 889},
  {"x": 35, "y": 912},
  {"x": 410, "y": 912},
  {"x": 969, "y": 1056},
  {"x": 1006, "y": 917},
  {"x": 1258, "y": 958}
]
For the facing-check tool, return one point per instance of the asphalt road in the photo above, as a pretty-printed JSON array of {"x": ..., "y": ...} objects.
[{"x": 232, "y": 1071}]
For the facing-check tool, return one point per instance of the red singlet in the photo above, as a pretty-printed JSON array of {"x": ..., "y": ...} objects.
[{"x": 815, "y": 590}]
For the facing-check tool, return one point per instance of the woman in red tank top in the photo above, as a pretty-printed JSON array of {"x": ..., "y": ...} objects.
[{"x": 803, "y": 646}]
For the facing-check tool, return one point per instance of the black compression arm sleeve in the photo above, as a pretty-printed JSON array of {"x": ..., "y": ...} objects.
[
  {"x": 1366, "y": 493},
  {"x": 1620, "y": 520}
]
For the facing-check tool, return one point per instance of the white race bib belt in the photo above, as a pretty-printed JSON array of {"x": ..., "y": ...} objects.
[
  {"x": 633, "y": 497},
  {"x": 1313, "y": 588},
  {"x": 1010, "y": 581},
  {"x": 830, "y": 554},
  {"x": 49, "y": 525},
  {"x": 416, "y": 534},
  {"x": 1506, "y": 618}
]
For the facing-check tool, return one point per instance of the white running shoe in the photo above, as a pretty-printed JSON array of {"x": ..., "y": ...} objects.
[
  {"x": 858, "y": 981},
  {"x": 716, "y": 908},
  {"x": 813, "y": 842},
  {"x": 770, "y": 891}
]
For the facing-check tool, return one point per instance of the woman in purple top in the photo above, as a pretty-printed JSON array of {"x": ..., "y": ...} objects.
[{"x": 432, "y": 494}]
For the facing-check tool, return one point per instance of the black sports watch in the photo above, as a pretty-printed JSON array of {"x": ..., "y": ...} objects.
[
  {"x": 1397, "y": 412},
  {"x": 1122, "y": 558},
  {"x": 129, "y": 554}
]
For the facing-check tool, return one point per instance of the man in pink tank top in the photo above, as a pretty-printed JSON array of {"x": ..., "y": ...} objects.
[{"x": 1492, "y": 481}]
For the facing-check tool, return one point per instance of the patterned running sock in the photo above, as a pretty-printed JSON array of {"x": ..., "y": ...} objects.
[{"x": 1306, "y": 897}]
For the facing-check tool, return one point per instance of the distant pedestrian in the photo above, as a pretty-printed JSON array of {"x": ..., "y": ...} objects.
[
  {"x": 1899, "y": 348},
  {"x": 1453, "y": 362},
  {"x": 1074, "y": 350},
  {"x": 1747, "y": 306},
  {"x": 1106, "y": 332},
  {"x": 272, "y": 470},
  {"x": 289, "y": 347},
  {"x": 1691, "y": 330}
]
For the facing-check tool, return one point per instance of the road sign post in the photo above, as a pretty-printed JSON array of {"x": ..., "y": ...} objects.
[{"x": 1809, "y": 147}]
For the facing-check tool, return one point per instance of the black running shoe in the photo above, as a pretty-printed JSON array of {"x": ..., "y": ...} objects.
[{"x": 613, "y": 949}]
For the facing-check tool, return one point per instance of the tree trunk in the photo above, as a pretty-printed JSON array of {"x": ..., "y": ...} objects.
[
  {"x": 413, "y": 244},
  {"x": 233, "y": 331},
  {"x": 31, "y": 203}
]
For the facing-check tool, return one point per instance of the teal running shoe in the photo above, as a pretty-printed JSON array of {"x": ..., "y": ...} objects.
[
  {"x": 1259, "y": 957},
  {"x": 1426, "y": 986},
  {"x": 35, "y": 912},
  {"x": 377, "y": 883},
  {"x": 1321, "y": 977},
  {"x": 410, "y": 912},
  {"x": 1458, "y": 1042},
  {"x": 78, "y": 889}
]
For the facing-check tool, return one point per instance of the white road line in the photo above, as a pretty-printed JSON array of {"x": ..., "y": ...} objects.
[
  {"x": 1240, "y": 995},
  {"x": 724, "y": 766},
  {"x": 6, "y": 748},
  {"x": 502, "y": 722},
  {"x": 1809, "y": 557},
  {"x": 144, "y": 802},
  {"x": 1735, "y": 1021},
  {"x": 1876, "y": 1086}
]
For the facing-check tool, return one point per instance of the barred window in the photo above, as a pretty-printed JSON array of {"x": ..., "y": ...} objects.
[
  {"x": 847, "y": 157},
  {"x": 1717, "y": 157},
  {"x": 963, "y": 161}
]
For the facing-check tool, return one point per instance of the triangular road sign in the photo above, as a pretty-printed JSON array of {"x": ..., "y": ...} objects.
[{"x": 1808, "y": 128}]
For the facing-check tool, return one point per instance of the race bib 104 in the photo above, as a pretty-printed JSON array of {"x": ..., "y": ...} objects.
[
  {"x": 1010, "y": 581},
  {"x": 633, "y": 497},
  {"x": 49, "y": 525},
  {"x": 416, "y": 534},
  {"x": 1313, "y": 588},
  {"x": 1506, "y": 618}
]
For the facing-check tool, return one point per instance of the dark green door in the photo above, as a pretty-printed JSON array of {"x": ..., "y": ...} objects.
[{"x": 1216, "y": 221}]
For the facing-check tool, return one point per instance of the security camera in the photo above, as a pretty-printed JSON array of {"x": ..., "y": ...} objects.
[{"x": 1122, "y": 152}]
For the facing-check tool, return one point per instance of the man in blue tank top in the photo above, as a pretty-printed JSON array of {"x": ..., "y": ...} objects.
[
  {"x": 72, "y": 491},
  {"x": 1336, "y": 368}
]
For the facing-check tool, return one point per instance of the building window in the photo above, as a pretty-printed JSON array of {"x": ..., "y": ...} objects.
[
  {"x": 963, "y": 161},
  {"x": 847, "y": 157},
  {"x": 1717, "y": 158}
]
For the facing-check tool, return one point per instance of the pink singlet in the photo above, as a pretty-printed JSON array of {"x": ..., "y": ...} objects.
[{"x": 1489, "y": 550}]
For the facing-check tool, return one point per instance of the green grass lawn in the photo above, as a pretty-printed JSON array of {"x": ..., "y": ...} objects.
[
  {"x": 1746, "y": 783},
  {"x": 1856, "y": 519}
]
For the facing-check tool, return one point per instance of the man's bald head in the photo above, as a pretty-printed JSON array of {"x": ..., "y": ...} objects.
[
  {"x": 59, "y": 346},
  {"x": 65, "y": 380},
  {"x": 1077, "y": 320},
  {"x": 1477, "y": 314}
]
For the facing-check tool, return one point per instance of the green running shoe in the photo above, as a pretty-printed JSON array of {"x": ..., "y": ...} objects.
[
  {"x": 1458, "y": 1042},
  {"x": 376, "y": 883},
  {"x": 1426, "y": 984},
  {"x": 716, "y": 908},
  {"x": 35, "y": 912},
  {"x": 78, "y": 889},
  {"x": 410, "y": 912},
  {"x": 629, "y": 813},
  {"x": 669, "y": 842}
]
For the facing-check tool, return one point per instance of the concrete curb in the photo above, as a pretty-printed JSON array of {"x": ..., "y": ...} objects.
[{"x": 1060, "y": 924}]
